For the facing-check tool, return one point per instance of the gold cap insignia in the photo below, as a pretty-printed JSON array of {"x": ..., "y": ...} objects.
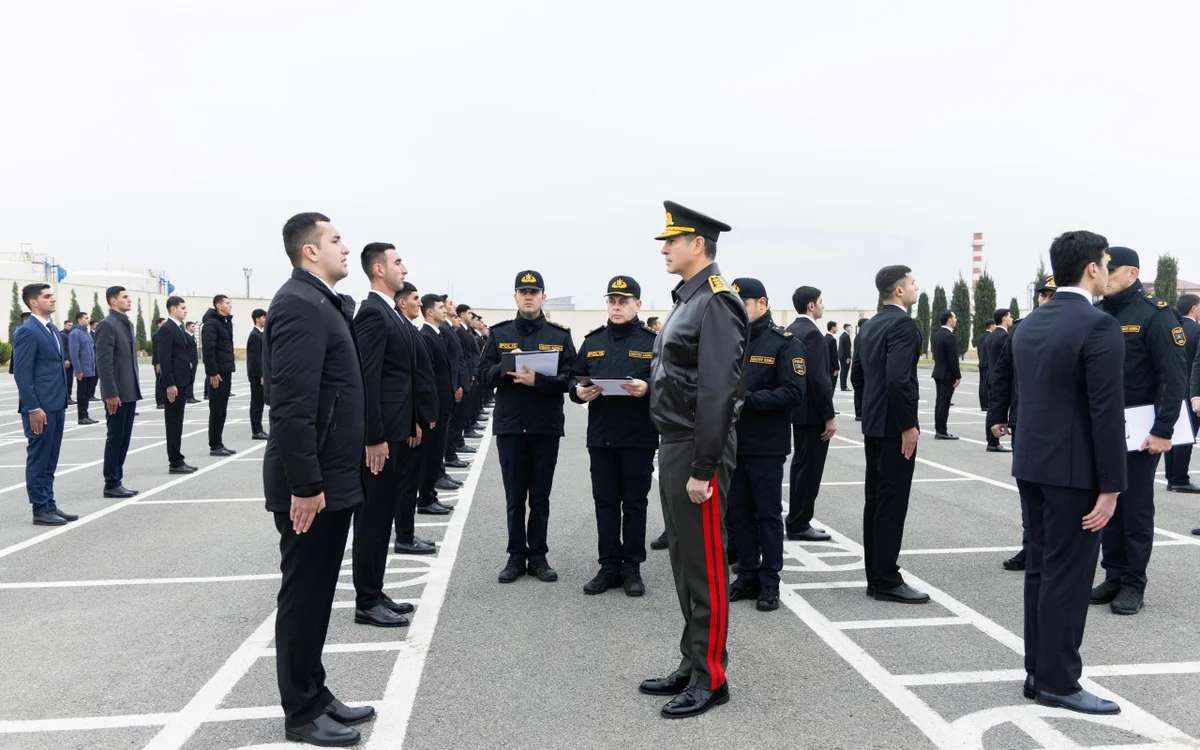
[
  {"x": 529, "y": 279},
  {"x": 670, "y": 219},
  {"x": 735, "y": 288},
  {"x": 619, "y": 284}
]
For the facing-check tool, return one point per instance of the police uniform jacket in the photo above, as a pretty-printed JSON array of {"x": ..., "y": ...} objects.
[
  {"x": 775, "y": 384},
  {"x": 522, "y": 409},
  {"x": 1154, "y": 354},
  {"x": 615, "y": 351},
  {"x": 696, "y": 383}
]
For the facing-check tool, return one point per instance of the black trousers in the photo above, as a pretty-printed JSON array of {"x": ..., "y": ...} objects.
[
  {"x": 373, "y": 523},
  {"x": 804, "y": 477},
  {"x": 527, "y": 463},
  {"x": 116, "y": 445},
  {"x": 70, "y": 379},
  {"x": 755, "y": 518},
  {"x": 218, "y": 405},
  {"x": 941, "y": 407},
  {"x": 845, "y": 369},
  {"x": 858, "y": 397},
  {"x": 1129, "y": 536},
  {"x": 983, "y": 390},
  {"x": 406, "y": 493},
  {"x": 621, "y": 479},
  {"x": 433, "y": 451},
  {"x": 84, "y": 394},
  {"x": 1058, "y": 581},
  {"x": 1178, "y": 459},
  {"x": 888, "y": 483},
  {"x": 256, "y": 405},
  {"x": 310, "y": 563},
  {"x": 173, "y": 418},
  {"x": 159, "y": 393}
]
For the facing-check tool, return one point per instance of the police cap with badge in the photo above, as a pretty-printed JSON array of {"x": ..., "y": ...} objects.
[
  {"x": 529, "y": 280},
  {"x": 1047, "y": 286},
  {"x": 748, "y": 288},
  {"x": 683, "y": 220},
  {"x": 623, "y": 286}
]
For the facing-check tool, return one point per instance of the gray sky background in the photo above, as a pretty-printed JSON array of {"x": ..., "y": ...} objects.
[{"x": 482, "y": 138}]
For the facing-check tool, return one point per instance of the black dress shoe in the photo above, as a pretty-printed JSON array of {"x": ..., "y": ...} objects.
[
  {"x": 739, "y": 590},
  {"x": 999, "y": 449},
  {"x": 446, "y": 483},
  {"x": 120, "y": 491},
  {"x": 543, "y": 571},
  {"x": 433, "y": 509},
  {"x": 414, "y": 548},
  {"x": 65, "y": 516},
  {"x": 323, "y": 732},
  {"x": 603, "y": 581},
  {"x": 673, "y": 684},
  {"x": 1196, "y": 532},
  {"x": 466, "y": 448},
  {"x": 944, "y": 436},
  {"x": 49, "y": 518},
  {"x": 811, "y": 534},
  {"x": 633, "y": 584},
  {"x": 400, "y": 608},
  {"x": 1083, "y": 702},
  {"x": 768, "y": 599},
  {"x": 160, "y": 406},
  {"x": 260, "y": 435},
  {"x": 472, "y": 435},
  {"x": 193, "y": 400},
  {"x": 70, "y": 401},
  {"x": 221, "y": 452},
  {"x": 381, "y": 617},
  {"x": 346, "y": 716},
  {"x": 1128, "y": 602},
  {"x": 1188, "y": 487},
  {"x": 903, "y": 593},
  {"x": 695, "y": 701},
  {"x": 1029, "y": 690},
  {"x": 183, "y": 469},
  {"x": 1105, "y": 592},
  {"x": 512, "y": 571},
  {"x": 457, "y": 463},
  {"x": 87, "y": 421},
  {"x": 1016, "y": 562},
  {"x": 660, "y": 542}
]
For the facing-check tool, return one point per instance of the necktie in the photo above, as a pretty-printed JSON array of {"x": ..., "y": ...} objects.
[{"x": 54, "y": 335}]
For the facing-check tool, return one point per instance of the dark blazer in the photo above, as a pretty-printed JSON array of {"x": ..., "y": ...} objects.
[
  {"x": 981, "y": 353},
  {"x": 945, "y": 355},
  {"x": 818, "y": 401},
  {"x": 171, "y": 345},
  {"x": 993, "y": 345},
  {"x": 116, "y": 358},
  {"x": 1067, "y": 356},
  {"x": 891, "y": 347},
  {"x": 470, "y": 355},
  {"x": 844, "y": 350},
  {"x": 458, "y": 377},
  {"x": 1002, "y": 394},
  {"x": 443, "y": 367},
  {"x": 831, "y": 342},
  {"x": 313, "y": 381},
  {"x": 391, "y": 370},
  {"x": 83, "y": 352},
  {"x": 254, "y": 354},
  {"x": 1191, "y": 330},
  {"x": 193, "y": 353},
  {"x": 856, "y": 374},
  {"x": 38, "y": 368}
]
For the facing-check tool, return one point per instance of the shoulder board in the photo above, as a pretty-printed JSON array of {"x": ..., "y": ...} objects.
[
  {"x": 649, "y": 330},
  {"x": 1155, "y": 301},
  {"x": 494, "y": 326},
  {"x": 557, "y": 325},
  {"x": 782, "y": 332},
  {"x": 718, "y": 285},
  {"x": 594, "y": 331}
]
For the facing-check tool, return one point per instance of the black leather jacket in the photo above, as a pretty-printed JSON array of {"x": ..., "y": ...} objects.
[{"x": 707, "y": 318}]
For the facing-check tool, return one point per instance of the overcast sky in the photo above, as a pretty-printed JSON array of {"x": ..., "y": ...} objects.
[{"x": 486, "y": 137}]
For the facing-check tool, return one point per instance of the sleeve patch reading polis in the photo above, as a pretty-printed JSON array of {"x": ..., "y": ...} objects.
[
  {"x": 760, "y": 360},
  {"x": 718, "y": 284},
  {"x": 503, "y": 345},
  {"x": 1177, "y": 333},
  {"x": 641, "y": 355},
  {"x": 798, "y": 366},
  {"x": 550, "y": 347},
  {"x": 1131, "y": 329},
  {"x": 599, "y": 353}
]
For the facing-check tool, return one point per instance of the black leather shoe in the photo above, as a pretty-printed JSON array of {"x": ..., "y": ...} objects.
[
  {"x": 120, "y": 491},
  {"x": 1083, "y": 702},
  {"x": 1196, "y": 532},
  {"x": 1105, "y": 592},
  {"x": 87, "y": 421},
  {"x": 323, "y": 732},
  {"x": 433, "y": 509},
  {"x": 446, "y": 483},
  {"x": 999, "y": 449},
  {"x": 903, "y": 593},
  {"x": 48, "y": 518},
  {"x": 457, "y": 463},
  {"x": 768, "y": 599},
  {"x": 811, "y": 534},
  {"x": 543, "y": 571},
  {"x": 944, "y": 436},
  {"x": 221, "y": 452},
  {"x": 1029, "y": 690},
  {"x": 193, "y": 400},
  {"x": 660, "y": 542},
  {"x": 739, "y": 590},
  {"x": 695, "y": 701},
  {"x": 1189, "y": 488},
  {"x": 65, "y": 516},
  {"x": 466, "y": 449},
  {"x": 603, "y": 581},
  {"x": 346, "y": 716},
  {"x": 260, "y": 435},
  {"x": 381, "y": 617},
  {"x": 472, "y": 435},
  {"x": 1128, "y": 602},
  {"x": 673, "y": 684},
  {"x": 70, "y": 401},
  {"x": 400, "y": 608},
  {"x": 1016, "y": 562},
  {"x": 414, "y": 548},
  {"x": 633, "y": 584},
  {"x": 183, "y": 469},
  {"x": 512, "y": 571}
]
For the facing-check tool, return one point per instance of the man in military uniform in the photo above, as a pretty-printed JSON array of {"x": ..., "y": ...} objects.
[
  {"x": 621, "y": 439},
  {"x": 775, "y": 384},
  {"x": 528, "y": 423},
  {"x": 695, "y": 396},
  {"x": 1154, "y": 357}
]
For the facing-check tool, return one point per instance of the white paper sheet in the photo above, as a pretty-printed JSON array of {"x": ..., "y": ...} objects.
[
  {"x": 1139, "y": 420},
  {"x": 543, "y": 363},
  {"x": 612, "y": 387}
]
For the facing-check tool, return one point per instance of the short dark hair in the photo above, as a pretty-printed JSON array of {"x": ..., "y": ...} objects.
[
  {"x": 174, "y": 302},
  {"x": 945, "y": 316},
  {"x": 112, "y": 293},
  {"x": 258, "y": 313},
  {"x": 429, "y": 301},
  {"x": 803, "y": 297},
  {"x": 862, "y": 321},
  {"x": 219, "y": 298},
  {"x": 405, "y": 290},
  {"x": 79, "y": 315},
  {"x": 1186, "y": 303},
  {"x": 158, "y": 322},
  {"x": 298, "y": 231},
  {"x": 710, "y": 248},
  {"x": 650, "y": 321},
  {"x": 1072, "y": 252},
  {"x": 24, "y": 316},
  {"x": 373, "y": 253},
  {"x": 831, "y": 325},
  {"x": 847, "y": 325},
  {"x": 1000, "y": 315},
  {"x": 889, "y": 277},
  {"x": 191, "y": 323},
  {"x": 30, "y": 292},
  {"x": 462, "y": 309}
]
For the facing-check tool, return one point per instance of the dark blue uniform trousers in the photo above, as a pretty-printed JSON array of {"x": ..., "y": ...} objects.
[
  {"x": 1129, "y": 535},
  {"x": 756, "y": 518},
  {"x": 116, "y": 445},
  {"x": 41, "y": 460},
  {"x": 621, "y": 479},
  {"x": 527, "y": 463}
]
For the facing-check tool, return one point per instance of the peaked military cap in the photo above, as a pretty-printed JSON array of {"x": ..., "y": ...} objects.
[
  {"x": 683, "y": 220},
  {"x": 623, "y": 286},
  {"x": 748, "y": 288},
  {"x": 1122, "y": 256},
  {"x": 1048, "y": 286},
  {"x": 529, "y": 280}
]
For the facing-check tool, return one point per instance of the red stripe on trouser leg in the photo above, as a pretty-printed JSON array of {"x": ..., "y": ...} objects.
[
  {"x": 722, "y": 587},
  {"x": 718, "y": 603},
  {"x": 709, "y": 549}
]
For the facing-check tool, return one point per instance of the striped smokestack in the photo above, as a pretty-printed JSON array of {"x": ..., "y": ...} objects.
[{"x": 976, "y": 260}]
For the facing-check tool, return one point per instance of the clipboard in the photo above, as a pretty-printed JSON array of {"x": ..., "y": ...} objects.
[
  {"x": 543, "y": 363},
  {"x": 609, "y": 386},
  {"x": 1139, "y": 420}
]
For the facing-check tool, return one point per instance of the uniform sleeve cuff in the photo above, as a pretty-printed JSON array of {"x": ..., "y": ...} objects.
[{"x": 704, "y": 474}]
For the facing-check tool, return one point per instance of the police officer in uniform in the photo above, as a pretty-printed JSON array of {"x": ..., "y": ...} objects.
[
  {"x": 695, "y": 395},
  {"x": 621, "y": 439},
  {"x": 775, "y": 384},
  {"x": 1154, "y": 359},
  {"x": 528, "y": 423}
]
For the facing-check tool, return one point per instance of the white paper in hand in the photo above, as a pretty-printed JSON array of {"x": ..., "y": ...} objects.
[{"x": 1139, "y": 420}]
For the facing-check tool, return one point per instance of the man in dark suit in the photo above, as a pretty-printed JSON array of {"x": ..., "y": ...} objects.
[
  {"x": 460, "y": 381},
  {"x": 159, "y": 403},
  {"x": 1179, "y": 458},
  {"x": 946, "y": 373},
  {"x": 216, "y": 338},
  {"x": 312, "y": 470},
  {"x": 64, "y": 336},
  {"x": 891, "y": 347},
  {"x": 175, "y": 370},
  {"x": 24, "y": 317},
  {"x": 1067, "y": 357},
  {"x": 832, "y": 344},
  {"x": 433, "y": 313},
  {"x": 194, "y": 359},
  {"x": 120, "y": 386},
  {"x": 856, "y": 376},
  {"x": 1003, "y": 320},
  {"x": 82, "y": 348},
  {"x": 981, "y": 352},
  {"x": 813, "y": 423},
  {"x": 255, "y": 374},
  {"x": 468, "y": 410},
  {"x": 39, "y": 367},
  {"x": 845, "y": 354}
]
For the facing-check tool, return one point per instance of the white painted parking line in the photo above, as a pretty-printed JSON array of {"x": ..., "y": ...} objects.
[
  {"x": 1016, "y": 675},
  {"x": 86, "y": 723},
  {"x": 911, "y": 622},
  {"x": 349, "y": 648},
  {"x": 137, "y": 581},
  {"x": 205, "y": 500}
]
